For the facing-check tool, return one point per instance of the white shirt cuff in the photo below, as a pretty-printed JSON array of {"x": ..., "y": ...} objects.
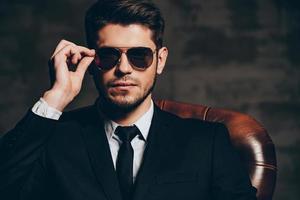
[{"x": 42, "y": 109}]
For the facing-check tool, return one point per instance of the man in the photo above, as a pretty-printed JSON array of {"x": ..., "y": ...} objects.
[{"x": 123, "y": 146}]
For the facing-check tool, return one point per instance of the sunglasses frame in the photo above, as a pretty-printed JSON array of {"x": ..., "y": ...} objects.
[{"x": 124, "y": 50}]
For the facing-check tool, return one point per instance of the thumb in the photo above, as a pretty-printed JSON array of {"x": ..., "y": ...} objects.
[{"x": 83, "y": 65}]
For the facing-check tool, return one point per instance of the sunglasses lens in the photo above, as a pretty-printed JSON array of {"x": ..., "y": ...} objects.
[
  {"x": 140, "y": 57},
  {"x": 108, "y": 58}
]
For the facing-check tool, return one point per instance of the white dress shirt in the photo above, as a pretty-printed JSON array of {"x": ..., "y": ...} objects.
[
  {"x": 42, "y": 109},
  {"x": 138, "y": 144}
]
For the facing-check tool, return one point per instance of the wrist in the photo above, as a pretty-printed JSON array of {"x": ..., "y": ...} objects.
[{"x": 57, "y": 99}]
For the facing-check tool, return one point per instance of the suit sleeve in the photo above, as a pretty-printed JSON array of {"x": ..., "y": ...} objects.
[
  {"x": 230, "y": 178},
  {"x": 20, "y": 155}
]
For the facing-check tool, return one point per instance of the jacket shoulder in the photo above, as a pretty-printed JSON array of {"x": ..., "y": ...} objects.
[
  {"x": 192, "y": 128},
  {"x": 189, "y": 123},
  {"x": 82, "y": 115}
]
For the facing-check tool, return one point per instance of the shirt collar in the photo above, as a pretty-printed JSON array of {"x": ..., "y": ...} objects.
[{"x": 143, "y": 124}]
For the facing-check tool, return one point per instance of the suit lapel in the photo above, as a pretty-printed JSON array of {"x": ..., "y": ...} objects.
[
  {"x": 100, "y": 156},
  {"x": 152, "y": 155}
]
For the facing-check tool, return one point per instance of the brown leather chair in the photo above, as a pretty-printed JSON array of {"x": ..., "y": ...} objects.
[{"x": 247, "y": 135}]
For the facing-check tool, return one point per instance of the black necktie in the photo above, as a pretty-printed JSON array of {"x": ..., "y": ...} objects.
[{"x": 124, "y": 166}]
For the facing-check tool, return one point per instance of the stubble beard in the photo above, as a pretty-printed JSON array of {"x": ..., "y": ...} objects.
[{"x": 116, "y": 107}]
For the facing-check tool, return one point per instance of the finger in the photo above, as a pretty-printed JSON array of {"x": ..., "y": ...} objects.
[
  {"x": 66, "y": 53},
  {"x": 83, "y": 65},
  {"x": 78, "y": 52},
  {"x": 86, "y": 51},
  {"x": 69, "y": 51},
  {"x": 76, "y": 57},
  {"x": 60, "y": 46}
]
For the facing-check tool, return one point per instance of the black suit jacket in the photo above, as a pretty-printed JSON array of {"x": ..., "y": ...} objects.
[{"x": 70, "y": 159}]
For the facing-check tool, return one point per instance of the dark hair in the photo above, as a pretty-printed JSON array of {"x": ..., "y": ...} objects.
[{"x": 124, "y": 12}]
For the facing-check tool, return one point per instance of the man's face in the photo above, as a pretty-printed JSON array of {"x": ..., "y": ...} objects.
[{"x": 124, "y": 86}]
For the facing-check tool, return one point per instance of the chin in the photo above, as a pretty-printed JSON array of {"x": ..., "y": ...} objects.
[
  {"x": 127, "y": 102},
  {"x": 123, "y": 101},
  {"x": 123, "y": 104}
]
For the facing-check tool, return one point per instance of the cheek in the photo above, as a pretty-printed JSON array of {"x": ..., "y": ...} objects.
[{"x": 148, "y": 80}]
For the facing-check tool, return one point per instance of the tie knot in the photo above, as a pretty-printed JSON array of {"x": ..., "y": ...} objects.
[{"x": 127, "y": 133}]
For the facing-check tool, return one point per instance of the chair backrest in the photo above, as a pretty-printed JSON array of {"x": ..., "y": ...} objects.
[{"x": 247, "y": 135}]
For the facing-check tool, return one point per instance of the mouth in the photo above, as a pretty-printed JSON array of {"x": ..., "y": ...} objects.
[{"x": 121, "y": 85}]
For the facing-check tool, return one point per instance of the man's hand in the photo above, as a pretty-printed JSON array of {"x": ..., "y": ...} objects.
[{"x": 66, "y": 83}]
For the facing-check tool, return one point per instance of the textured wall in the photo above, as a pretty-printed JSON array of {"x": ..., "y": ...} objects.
[{"x": 242, "y": 55}]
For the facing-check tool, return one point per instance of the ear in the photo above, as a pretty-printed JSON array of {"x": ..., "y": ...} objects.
[{"x": 162, "y": 59}]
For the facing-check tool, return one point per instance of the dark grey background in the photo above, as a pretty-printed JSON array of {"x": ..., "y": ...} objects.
[{"x": 237, "y": 54}]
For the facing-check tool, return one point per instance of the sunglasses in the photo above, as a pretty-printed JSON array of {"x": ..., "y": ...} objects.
[{"x": 140, "y": 58}]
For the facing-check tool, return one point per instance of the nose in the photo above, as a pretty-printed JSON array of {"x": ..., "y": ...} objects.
[{"x": 124, "y": 66}]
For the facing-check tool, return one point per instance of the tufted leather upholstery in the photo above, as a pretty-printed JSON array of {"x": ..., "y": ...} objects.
[{"x": 247, "y": 135}]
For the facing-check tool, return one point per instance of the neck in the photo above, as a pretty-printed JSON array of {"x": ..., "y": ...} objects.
[{"x": 131, "y": 116}]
